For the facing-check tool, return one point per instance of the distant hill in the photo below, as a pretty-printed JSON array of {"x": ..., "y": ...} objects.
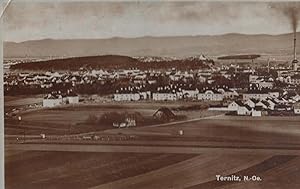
[
  {"x": 246, "y": 57},
  {"x": 111, "y": 62},
  {"x": 156, "y": 46}
]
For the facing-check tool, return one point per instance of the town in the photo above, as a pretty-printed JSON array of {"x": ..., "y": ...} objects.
[
  {"x": 151, "y": 94},
  {"x": 235, "y": 88}
]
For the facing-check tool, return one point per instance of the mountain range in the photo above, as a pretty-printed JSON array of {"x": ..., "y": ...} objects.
[{"x": 178, "y": 46}]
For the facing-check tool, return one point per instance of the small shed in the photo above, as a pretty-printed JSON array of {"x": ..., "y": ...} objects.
[{"x": 164, "y": 114}]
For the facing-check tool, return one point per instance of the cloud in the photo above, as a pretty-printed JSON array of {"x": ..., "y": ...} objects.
[{"x": 57, "y": 19}]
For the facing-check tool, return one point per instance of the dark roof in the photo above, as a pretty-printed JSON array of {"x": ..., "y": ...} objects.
[
  {"x": 257, "y": 92},
  {"x": 248, "y": 107},
  {"x": 277, "y": 106},
  {"x": 213, "y": 90},
  {"x": 272, "y": 100},
  {"x": 258, "y": 108},
  {"x": 239, "y": 102},
  {"x": 254, "y": 100},
  {"x": 166, "y": 111}
]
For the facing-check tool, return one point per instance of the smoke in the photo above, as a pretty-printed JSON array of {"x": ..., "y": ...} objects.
[{"x": 291, "y": 10}]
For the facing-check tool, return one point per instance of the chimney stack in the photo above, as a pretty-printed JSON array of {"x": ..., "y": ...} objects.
[
  {"x": 295, "y": 61},
  {"x": 295, "y": 58}
]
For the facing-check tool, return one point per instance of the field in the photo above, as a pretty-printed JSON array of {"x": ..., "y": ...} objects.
[
  {"x": 73, "y": 118},
  {"x": 225, "y": 131},
  {"x": 79, "y": 170},
  {"x": 157, "y": 156},
  {"x": 29, "y": 170}
]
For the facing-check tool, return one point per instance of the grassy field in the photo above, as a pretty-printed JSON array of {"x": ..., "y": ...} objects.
[
  {"x": 29, "y": 170},
  {"x": 266, "y": 131},
  {"x": 73, "y": 118},
  {"x": 49, "y": 170}
]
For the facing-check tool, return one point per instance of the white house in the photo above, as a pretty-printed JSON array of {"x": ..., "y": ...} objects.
[
  {"x": 257, "y": 111},
  {"x": 235, "y": 105},
  {"x": 272, "y": 103},
  {"x": 244, "y": 110},
  {"x": 73, "y": 99},
  {"x": 252, "y": 102},
  {"x": 126, "y": 97},
  {"x": 190, "y": 93},
  {"x": 228, "y": 93},
  {"x": 211, "y": 95},
  {"x": 297, "y": 108},
  {"x": 264, "y": 104},
  {"x": 51, "y": 101},
  {"x": 164, "y": 96},
  {"x": 260, "y": 95},
  {"x": 296, "y": 98}
]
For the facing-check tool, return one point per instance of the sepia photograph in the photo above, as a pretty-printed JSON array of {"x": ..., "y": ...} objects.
[{"x": 158, "y": 94}]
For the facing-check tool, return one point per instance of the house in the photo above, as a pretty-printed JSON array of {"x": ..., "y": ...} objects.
[
  {"x": 228, "y": 93},
  {"x": 190, "y": 93},
  {"x": 164, "y": 114},
  {"x": 126, "y": 97},
  {"x": 52, "y": 100},
  {"x": 282, "y": 107},
  {"x": 252, "y": 102},
  {"x": 127, "y": 94},
  {"x": 244, "y": 110},
  {"x": 272, "y": 103},
  {"x": 257, "y": 111},
  {"x": 164, "y": 96},
  {"x": 235, "y": 105},
  {"x": 295, "y": 80},
  {"x": 280, "y": 100},
  {"x": 261, "y": 82},
  {"x": 210, "y": 95},
  {"x": 260, "y": 94},
  {"x": 167, "y": 93},
  {"x": 297, "y": 108},
  {"x": 296, "y": 97},
  {"x": 264, "y": 104},
  {"x": 72, "y": 98}
]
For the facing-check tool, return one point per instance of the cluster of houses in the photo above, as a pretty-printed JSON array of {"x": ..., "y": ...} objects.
[
  {"x": 175, "y": 92},
  {"x": 261, "y": 106},
  {"x": 169, "y": 85},
  {"x": 49, "y": 79}
]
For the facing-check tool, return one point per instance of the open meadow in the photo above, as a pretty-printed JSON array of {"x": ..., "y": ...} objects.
[{"x": 33, "y": 169}]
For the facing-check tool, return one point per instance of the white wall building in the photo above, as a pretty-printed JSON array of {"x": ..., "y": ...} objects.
[
  {"x": 126, "y": 97},
  {"x": 297, "y": 108},
  {"x": 235, "y": 105},
  {"x": 51, "y": 101},
  {"x": 190, "y": 93},
  {"x": 73, "y": 99},
  {"x": 244, "y": 110},
  {"x": 164, "y": 96},
  {"x": 211, "y": 95},
  {"x": 260, "y": 95}
]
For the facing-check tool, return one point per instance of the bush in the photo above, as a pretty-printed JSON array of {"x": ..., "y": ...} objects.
[
  {"x": 92, "y": 119},
  {"x": 111, "y": 117}
]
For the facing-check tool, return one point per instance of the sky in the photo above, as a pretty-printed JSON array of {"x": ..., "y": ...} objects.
[{"x": 67, "y": 19}]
